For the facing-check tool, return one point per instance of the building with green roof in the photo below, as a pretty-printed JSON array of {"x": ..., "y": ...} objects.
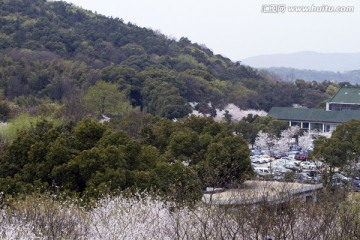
[
  {"x": 345, "y": 98},
  {"x": 313, "y": 119},
  {"x": 343, "y": 107}
]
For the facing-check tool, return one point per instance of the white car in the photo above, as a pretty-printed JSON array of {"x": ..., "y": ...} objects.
[
  {"x": 261, "y": 172},
  {"x": 279, "y": 162},
  {"x": 291, "y": 166},
  {"x": 291, "y": 156},
  {"x": 280, "y": 170},
  {"x": 288, "y": 158},
  {"x": 340, "y": 177},
  {"x": 308, "y": 165},
  {"x": 260, "y": 160}
]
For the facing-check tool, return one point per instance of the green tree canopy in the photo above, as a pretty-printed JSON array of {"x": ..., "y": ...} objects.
[
  {"x": 342, "y": 149},
  {"x": 105, "y": 98}
]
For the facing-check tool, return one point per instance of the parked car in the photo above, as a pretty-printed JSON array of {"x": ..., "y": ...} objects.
[
  {"x": 279, "y": 177},
  {"x": 279, "y": 162},
  {"x": 341, "y": 177},
  {"x": 292, "y": 166},
  {"x": 308, "y": 165},
  {"x": 355, "y": 183},
  {"x": 315, "y": 176},
  {"x": 318, "y": 164},
  {"x": 266, "y": 152},
  {"x": 278, "y": 155},
  {"x": 280, "y": 170},
  {"x": 336, "y": 182},
  {"x": 287, "y": 159},
  {"x": 255, "y": 152},
  {"x": 297, "y": 162},
  {"x": 260, "y": 160},
  {"x": 357, "y": 166},
  {"x": 291, "y": 156},
  {"x": 302, "y": 177},
  {"x": 262, "y": 172},
  {"x": 301, "y": 157}
]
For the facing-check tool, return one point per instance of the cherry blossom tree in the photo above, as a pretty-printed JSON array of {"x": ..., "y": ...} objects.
[
  {"x": 143, "y": 216},
  {"x": 325, "y": 134},
  {"x": 306, "y": 140},
  {"x": 287, "y": 138},
  {"x": 265, "y": 140},
  {"x": 269, "y": 141}
]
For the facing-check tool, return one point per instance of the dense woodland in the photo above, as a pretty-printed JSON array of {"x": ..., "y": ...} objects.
[
  {"x": 176, "y": 159},
  {"x": 53, "y": 51},
  {"x": 72, "y": 66}
]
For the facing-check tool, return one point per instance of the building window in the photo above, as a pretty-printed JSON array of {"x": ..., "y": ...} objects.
[
  {"x": 340, "y": 107},
  {"x": 293, "y": 124},
  {"x": 316, "y": 126},
  {"x": 305, "y": 125},
  {"x": 327, "y": 128}
]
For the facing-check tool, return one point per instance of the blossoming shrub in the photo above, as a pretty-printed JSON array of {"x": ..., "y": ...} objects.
[{"x": 147, "y": 217}]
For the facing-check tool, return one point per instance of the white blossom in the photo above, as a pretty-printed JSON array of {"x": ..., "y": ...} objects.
[
  {"x": 265, "y": 140},
  {"x": 236, "y": 113},
  {"x": 306, "y": 140},
  {"x": 145, "y": 217}
]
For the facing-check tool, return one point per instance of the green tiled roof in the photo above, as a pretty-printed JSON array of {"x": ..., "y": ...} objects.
[
  {"x": 347, "y": 95},
  {"x": 313, "y": 115}
]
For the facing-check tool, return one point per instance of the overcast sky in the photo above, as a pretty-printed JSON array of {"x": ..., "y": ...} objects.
[{"x": 237, "y": 28}]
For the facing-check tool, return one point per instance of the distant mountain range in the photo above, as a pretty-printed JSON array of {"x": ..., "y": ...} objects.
[
  {"x": 310, "y": 66},
  {"x": 334, "y": 62},
  {"x": 292, "y": 74}
]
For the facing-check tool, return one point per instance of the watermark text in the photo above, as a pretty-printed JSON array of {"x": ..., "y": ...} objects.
[{"x": 283, "y": 8}]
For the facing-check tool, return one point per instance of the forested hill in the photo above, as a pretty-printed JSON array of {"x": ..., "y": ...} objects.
[{"x": 56, "y": 51}]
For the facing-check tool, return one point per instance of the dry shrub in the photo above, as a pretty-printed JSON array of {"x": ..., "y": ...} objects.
[
  {"x": 147, "y": 217},
  {"x": 46, "y": 217}
]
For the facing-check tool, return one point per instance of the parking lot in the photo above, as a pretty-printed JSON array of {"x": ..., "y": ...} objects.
[{"x": 291, "y": 167}]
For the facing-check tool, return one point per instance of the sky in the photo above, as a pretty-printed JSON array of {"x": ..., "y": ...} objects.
[{"x": 238, "y": 29}]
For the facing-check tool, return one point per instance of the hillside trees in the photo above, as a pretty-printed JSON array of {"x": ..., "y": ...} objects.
[
  {"x": 4, "y": 111},
  {"x": 105, "y": 99},
  {"x": 53, "y": 50}
]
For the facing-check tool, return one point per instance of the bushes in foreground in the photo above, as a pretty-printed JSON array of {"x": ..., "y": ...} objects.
[{"x": 146, "y": 217}]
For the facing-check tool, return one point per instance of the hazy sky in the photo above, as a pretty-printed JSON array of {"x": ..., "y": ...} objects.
[{"x": 237, "y": 28}]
